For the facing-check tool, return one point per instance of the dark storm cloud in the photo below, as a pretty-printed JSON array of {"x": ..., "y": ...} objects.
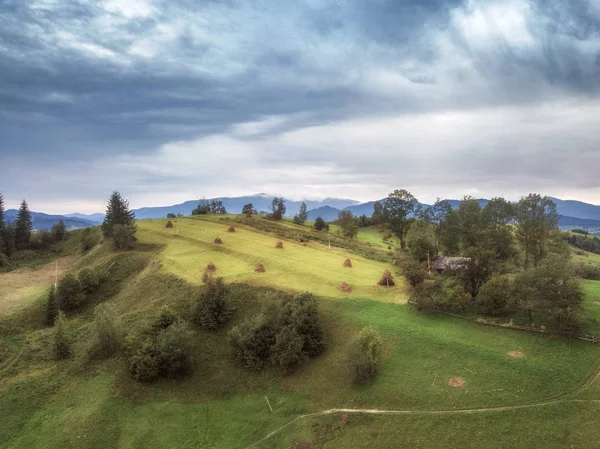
[{"x": 83, "y": 81}]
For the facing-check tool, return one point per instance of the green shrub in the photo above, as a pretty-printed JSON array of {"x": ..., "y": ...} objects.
[
  {"x": 59, "y": 231},
  {"x": 213, "y": 308},
  {"x": 587, "y": 271},
  {"x": 365, "y": 355},
  {"x": 24, "y": 256},
  {"x": 457, "y": 300},
  {"x": 494, "y": 296},
  {"x": 123, "y": 236},
  {"x": 47, "y": 238},
  {"x": 284, "y": 337},
  {"x": 251, "y": 342},
  {"x": 165, "y": 355},
  {"x": 165, "y": 319},
  {"x": 70, "y": 293},
  {"x": 62, "y": 343},
  {"x": 143, "y": 365},
  {"x": 88, "y": 280},
  {"x": 51, "y": 307},
  {"x": 414, "y": 273},
  {"x": 89, "y": 239},
  {"x": 107, "y": 335},
  {"x": 173, "y": 345}
]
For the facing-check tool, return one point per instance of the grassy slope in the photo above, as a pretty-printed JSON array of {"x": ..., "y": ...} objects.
[
  {"x": 221, "y": 406},
  {"x": 295, "y": 267}
]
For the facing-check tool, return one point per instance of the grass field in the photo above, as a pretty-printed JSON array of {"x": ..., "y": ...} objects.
[{"x": 46, "y": 404}]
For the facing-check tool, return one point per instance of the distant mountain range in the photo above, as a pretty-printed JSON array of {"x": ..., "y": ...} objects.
[
  {"x": 45, "y": 221},
  {"x": 573, "y": 213}
]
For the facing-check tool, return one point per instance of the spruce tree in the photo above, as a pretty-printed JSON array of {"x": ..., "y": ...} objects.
[
  {"x": 51, "y": 307},
  {"x": 117, "y": 213},
  {"x": 62, "y": 343},
  {"x": 303, "y": 214},
  {"x": 23, "y": 226}
]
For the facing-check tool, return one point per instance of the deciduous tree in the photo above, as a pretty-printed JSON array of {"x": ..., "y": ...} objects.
[
  {"x": 277, "y": 208},
  {"x": 536, "y": 217},
  {"x": 400, "y": 204},
  {"x": 347, "y": 224}
]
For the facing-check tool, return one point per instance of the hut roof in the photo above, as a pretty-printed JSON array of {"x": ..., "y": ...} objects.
[{"x": 452, "y": 263}]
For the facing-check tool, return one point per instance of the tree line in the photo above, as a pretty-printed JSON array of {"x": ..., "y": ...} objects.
[{"x": 19, "y": 235}]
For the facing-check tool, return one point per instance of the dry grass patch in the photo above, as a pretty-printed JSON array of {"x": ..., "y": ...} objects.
[
  {"x": 515, "y": 354},
  {"x": 456, "y": 382},
  {"x": 21, "y": 287}
]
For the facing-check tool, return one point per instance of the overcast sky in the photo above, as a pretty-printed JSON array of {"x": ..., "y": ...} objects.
[{"x": 171, "y": 100}]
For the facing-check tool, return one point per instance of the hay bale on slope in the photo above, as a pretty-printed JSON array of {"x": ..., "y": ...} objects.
[
  {"x": 231, "y": 229},
  {"x": 387, "y": 280},
  {"x": 211, "y": 266},
  {"x": 218, "y": 241},
  {"x": 345, "y": 287},
  {"x": 260, "y": 268},
  {"x": 279, "y": 244},
  {"x": 169, "y": 224},
  {"x": 348, "y": 263}
]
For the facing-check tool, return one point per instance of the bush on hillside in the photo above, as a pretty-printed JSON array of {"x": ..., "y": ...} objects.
[
  {"x": 89, "y": 239},
  {"x": 166, "y": 354},
  {"x": 320, "y": 224},
  {"x": 61, "y": 346},
  {"x": 364, "y": 357},
  {"x": 165, "y": 318},
  {"x": 107, "y": 333},
  {"x": 88, "y": 280},
  {"x": 495, "y": 296},
  {"x": 70, "y": 294},
  {"x": 284, "y": 337},
  {"x": 415, "y": 273},
  {"x": 213, "y": 307},
  {"x": 123, "y": 236},
  {"x": 587, "y": 271}
]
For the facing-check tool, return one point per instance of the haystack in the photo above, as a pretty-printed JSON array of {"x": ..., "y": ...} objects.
[
  {"x": 387, "y": 280},
  {"x": 348, "y": 263},
  {"x": 231, "y": 229},
  {"x": 345, "y": 287},
  {"x": 218, "y": 241},
  {"x": 211, "y": 266},
  {"x": 279, "y": 244},
  {"x": 169, "y": 224},
  {"x": 260, "y": 268}
]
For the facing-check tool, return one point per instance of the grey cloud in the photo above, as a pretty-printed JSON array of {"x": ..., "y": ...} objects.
[{"x": 80, "y": 82}]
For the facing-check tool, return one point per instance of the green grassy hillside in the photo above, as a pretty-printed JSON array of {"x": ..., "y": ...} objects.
[{"x": 220, "y": 405}]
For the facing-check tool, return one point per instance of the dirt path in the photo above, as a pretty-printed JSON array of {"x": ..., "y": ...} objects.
[
  {"x": 19, "y": 288},
  {"x": 561, "y": 398}
]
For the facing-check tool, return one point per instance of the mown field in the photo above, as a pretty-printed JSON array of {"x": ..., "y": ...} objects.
[{"x": 49, "y": 404}]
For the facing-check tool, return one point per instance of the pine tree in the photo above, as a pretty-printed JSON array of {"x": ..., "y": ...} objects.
[
  {"x": 303, "y": 213},
  {"x": 51, "y": 307},
  {"x": 23, "y": 226},
  {"x": 117, "y": 213},
  {"x": 59, "y": 231},
  {"x": 62, "y": 343}
]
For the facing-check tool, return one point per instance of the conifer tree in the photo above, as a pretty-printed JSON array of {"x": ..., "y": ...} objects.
[
  {"x": 23, "y": 226},
  {"x": 117, "y": 213},
  {"x": 303, "y": 213},
  {"x": 51, "y": 307},
  {"x": 62, "y": 343}
]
